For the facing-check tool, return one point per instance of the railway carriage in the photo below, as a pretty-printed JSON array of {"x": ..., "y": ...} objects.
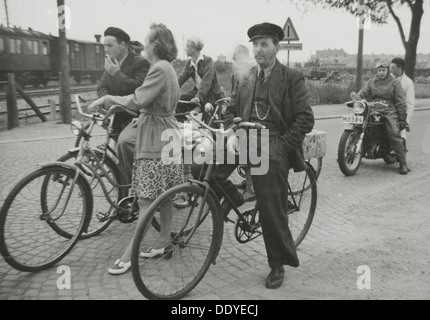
[{"x": 34, "y": 57}]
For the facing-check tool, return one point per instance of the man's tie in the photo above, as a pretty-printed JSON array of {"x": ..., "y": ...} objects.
[{"x": 260, "y": 78}]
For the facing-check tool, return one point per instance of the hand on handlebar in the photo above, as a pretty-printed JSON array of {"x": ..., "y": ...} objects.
[
  {"x": 96, "y": 105},
  {"x": 196, "y": 101}
]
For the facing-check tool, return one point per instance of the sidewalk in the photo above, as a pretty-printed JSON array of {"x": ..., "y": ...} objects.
[{"x": 52, "y": 130}]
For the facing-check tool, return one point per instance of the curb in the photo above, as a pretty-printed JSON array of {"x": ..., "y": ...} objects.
[{"x": 70, "y": 137}]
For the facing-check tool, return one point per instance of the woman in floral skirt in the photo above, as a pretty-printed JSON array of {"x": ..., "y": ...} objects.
[{"x": 156, "y": 100}]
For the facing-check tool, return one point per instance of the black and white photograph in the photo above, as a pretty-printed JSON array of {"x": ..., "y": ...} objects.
[{"x": 225, "y": 154}]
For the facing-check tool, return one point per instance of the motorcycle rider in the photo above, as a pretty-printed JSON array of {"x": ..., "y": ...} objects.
[{"x": 387, "y": 89}]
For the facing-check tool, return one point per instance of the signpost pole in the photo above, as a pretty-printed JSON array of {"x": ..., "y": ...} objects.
[{"x": 288, "y": 56}]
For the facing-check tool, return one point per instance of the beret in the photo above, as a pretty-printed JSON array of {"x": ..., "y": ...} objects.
[
  {"x": 117, "y": 33},
  {"x": 265, "y": 29}
]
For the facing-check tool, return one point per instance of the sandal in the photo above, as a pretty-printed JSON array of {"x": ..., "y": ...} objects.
[
  {"x": 119, "y": 267},
  {"x": 152, "y": 253}
]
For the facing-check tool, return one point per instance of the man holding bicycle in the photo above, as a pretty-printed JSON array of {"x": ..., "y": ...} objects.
[
  {"x": 276, "y": 97},
  {"x": 125, "y": 71}
]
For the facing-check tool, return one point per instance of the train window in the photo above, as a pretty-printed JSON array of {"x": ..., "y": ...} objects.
[
  {"x": 76, "y": 47},
  {"x": 36, "y": 47},
  {"x": 12, "y": 46},
  {"x": 19, "y": 46},
  {"x": 2, "y": 46},
  {"x": 30, "y": 46},
  {"x": 97, "y": 49},
  {"x": 45, "y": 48}
]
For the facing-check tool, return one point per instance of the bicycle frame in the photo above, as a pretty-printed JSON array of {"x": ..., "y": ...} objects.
[{"x": 86, "y": 152}]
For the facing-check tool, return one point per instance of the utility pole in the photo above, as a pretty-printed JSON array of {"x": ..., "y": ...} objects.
[
  {"x": 65, "y": 100},
  {"x": 360, "y": 52},
  {"x": 7, "y": 13}
]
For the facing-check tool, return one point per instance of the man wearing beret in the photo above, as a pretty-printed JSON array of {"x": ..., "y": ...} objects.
[
  {"x": 201, "y": 69},
  {"x": 275, "y": 96},
  {"x": 125, "y": 71}
]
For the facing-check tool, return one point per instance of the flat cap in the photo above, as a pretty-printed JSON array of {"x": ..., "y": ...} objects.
[
  {"x": 265, "y": 29},
  {"x": 118, "y": 33}
]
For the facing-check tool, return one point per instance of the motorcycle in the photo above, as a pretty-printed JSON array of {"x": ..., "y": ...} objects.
[{"x": 364, "y": 137}]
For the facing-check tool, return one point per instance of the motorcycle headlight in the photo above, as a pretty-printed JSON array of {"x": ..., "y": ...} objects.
[
  {"x": 359, "y": 107},
  {"x": 76, "y": 128}
]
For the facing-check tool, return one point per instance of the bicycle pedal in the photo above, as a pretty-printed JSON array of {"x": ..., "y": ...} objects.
[
  {"x": 102, "y": 217},
  {"x": 227, "y": 219}
]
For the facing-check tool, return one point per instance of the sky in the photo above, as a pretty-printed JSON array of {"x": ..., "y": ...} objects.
[{"x": 221, "y": 24}]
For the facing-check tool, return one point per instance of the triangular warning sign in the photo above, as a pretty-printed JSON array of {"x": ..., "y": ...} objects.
[{"x": 290, "y": 31}]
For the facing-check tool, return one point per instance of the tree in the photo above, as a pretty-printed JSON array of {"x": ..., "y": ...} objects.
[{"x": 379, "y": 12}]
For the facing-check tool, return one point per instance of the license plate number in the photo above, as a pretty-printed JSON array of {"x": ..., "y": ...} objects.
[{"x": 352, "y": 119}]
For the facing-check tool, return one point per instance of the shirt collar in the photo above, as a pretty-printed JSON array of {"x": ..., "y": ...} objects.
[
  {"x": 123, "y": 59},
  {"x": 267, "y": 71},
  {"x": 197, "y": 62}
]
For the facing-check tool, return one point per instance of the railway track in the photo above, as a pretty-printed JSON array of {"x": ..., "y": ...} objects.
[{"x": 53, "y": 91}]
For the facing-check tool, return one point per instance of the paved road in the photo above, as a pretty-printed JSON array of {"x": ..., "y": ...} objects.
[{"x": 329, "y": 255}]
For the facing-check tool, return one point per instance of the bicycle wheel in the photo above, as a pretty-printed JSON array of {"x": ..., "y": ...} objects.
[
  {"x": 193, "y": 246},
  {"x": 317, "y": 165},
  {"x": 301, "y": 202},
  {"x": 103, "y": 214},
  {"x": 28, "y": 239}
]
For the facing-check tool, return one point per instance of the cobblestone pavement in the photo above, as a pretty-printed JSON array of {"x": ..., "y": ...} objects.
[{"x": 376, "y": 218}]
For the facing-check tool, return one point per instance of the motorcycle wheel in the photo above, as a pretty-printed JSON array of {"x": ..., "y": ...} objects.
[{"x": 348, "y": 160}]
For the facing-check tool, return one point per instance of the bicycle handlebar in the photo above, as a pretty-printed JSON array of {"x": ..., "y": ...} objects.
[
  {"x": 239, "y": 124},
  {"x": 97, "y": 116}
]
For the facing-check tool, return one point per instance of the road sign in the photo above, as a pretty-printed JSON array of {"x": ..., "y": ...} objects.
[
  {"x": 290, "y": 31},
  {"x": 291, "y": 46}
]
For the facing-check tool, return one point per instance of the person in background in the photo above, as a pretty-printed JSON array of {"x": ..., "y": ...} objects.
[
  {"x": 398, "y": 70},
  {"x": 387, "y": 89},
  {"x": 125, "y": 71},
  {"x": 201, "y": 69},
  {"x": 153, "y": 173},
  {"x": 241, "y": 65},
  {"x": 136, "y": 47}
]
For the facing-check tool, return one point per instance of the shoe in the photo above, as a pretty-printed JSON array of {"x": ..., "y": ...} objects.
[
  {"x": 275, "y": 278},
  {"x": 241, "y": 185},
  {"x": 403, "y": 168},
  {"x": 119, "y": 267},
  {"x": 152, "y": 253}
]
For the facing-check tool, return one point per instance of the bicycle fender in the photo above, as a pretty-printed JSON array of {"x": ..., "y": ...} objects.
[
  {"x": 218, "y": 205},
  {"x": 57, "y": 163},
  {"x": 72, "y": 167},
  {"x": 211, "y": 192},
  {"x": 74, "y": 149}
]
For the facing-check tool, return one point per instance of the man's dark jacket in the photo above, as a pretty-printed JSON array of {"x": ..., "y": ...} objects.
[
  {"x": 210, "y": 89},
  {"x": 288, "y": 96},
  {"x": 133, "y": 71}
]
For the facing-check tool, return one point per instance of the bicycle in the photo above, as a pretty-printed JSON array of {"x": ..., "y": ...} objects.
[
  {"x": 197, "y": 230},
  {"x": 108, "y": 159},
  {"x": 46, "y": 213}
]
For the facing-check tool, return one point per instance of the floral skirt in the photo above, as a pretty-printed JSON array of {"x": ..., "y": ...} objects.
[{"x": 152, "y": 177}]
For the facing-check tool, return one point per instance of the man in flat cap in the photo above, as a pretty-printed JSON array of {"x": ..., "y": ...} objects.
[
  {"x": 125, "y": 71},
  {"x": 275, "y": 96},
  {"x": 201, "y": 69}
]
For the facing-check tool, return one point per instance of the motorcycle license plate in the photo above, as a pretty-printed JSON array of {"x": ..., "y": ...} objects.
[{"x": 352, "y": 119}]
